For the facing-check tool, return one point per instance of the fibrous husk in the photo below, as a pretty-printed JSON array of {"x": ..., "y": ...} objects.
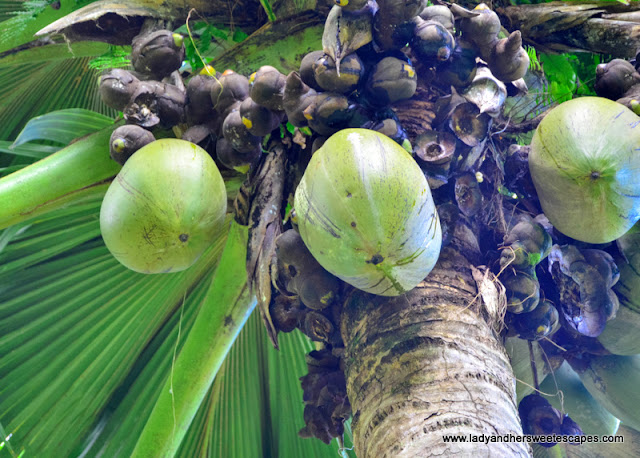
[{"x": 487, "y": 92}]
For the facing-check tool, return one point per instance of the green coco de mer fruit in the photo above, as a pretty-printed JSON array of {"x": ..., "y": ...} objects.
[
  {"x": 585, "y": 165},
  {"x": 366, "y": 213},
  {"x": 164, "y": 207}
]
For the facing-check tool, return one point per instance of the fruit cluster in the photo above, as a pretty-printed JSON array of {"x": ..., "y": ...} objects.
[
  {"x": 310, "y": 300},
  {"x": 525, "y": 245},
  {"x": 375, "y": 56},
  {"x": 325, "y": 397},
  {"x": 584, "y": 279},
  {"x": 364, "y": 70}
]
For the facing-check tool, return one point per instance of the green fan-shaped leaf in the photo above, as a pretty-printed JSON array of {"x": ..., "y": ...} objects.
[
  {"x": 46, "y": 86},
  {"x": 256, "y": 395},
  {"x": 73, "y": 324},
  {"x": 23, "y": 21},
  {"x": 62, "y": 126}
]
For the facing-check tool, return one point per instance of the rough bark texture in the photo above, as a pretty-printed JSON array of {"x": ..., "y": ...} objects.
[
  {"x": 600, "y": 27},
  {"x": 427, "y": 364},
  {"x": 117, "y": 22},
  {"x": 265, "y": 224}
]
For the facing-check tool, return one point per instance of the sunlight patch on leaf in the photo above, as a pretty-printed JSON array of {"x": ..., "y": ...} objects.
[{"x": 116, "y": 57}]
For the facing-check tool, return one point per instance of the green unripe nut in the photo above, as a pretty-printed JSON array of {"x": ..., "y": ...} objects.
[
  {"x": 164, "y": 208},
  {"x": 585, "y": 166},
  {"x": 366, "y": 213}
]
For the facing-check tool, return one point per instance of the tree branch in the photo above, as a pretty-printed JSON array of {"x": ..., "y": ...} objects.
[{"x": 598, "y": 27}]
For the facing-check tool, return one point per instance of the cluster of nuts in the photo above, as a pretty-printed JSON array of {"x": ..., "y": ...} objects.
[
  {"x": 144, "y": 98},
  {"x": 310, "y": 299},
  {"x": 364, "y": 68},
  {"x": 214, "y": 110},
  {"x": 584, "y": 279},
  {"x": 525, "y": 245},
  {"x": 372, "y": 53},
  {"x": 325, "y": 397}
]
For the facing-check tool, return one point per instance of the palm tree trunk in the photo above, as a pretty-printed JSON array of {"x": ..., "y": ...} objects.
[{"x": 428, "y": 364}]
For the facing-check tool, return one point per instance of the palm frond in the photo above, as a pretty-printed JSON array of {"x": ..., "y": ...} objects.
[
  {"x": 62, "y": 126},
  {"x": 21, "y": 20},
  {"x": 45, "y": 87},
  {"x": 73, "y": 326}
]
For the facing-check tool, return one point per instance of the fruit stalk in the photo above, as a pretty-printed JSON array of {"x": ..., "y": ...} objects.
[
  {"x": 225, "y": 309},
  {"x": 58, "y": 179}
]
